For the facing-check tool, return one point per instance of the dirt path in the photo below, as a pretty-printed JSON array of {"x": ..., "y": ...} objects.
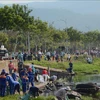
[{"x": 4, "y": 64}]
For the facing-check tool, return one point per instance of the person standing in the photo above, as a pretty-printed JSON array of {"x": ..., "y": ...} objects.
[
  {"x": 23, "y": 72},
  {"x": 20, "y": 56},
  {"x": 33, "y": 68},
  {"x": 20, "y": 67},
  {"x": 31, "y": 76},
  {"x": 48, "y": 55},
  {"x": 24, "y": 56},
  {"x": 25, "y": 81},
  {"x": 14, "y": 74},
  {"x": 70, "y": 69},
  {"x": 68, "y": 57},
  {"x": 2, "y": 84},
  {"x": 11, "y": 67},
  {"x": 39, "y": 55}
]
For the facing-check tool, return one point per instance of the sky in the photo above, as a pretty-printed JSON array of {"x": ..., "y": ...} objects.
[
  {"x": 78, "y": 6},
  {"x": 27, "y": 1},
  {"x": 24, "y": 1}
]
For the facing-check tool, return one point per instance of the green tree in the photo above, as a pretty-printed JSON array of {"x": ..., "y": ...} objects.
[{"x": 3, "y": 38}]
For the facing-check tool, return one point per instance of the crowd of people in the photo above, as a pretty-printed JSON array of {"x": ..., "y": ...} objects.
[{"x": 17, "y": 79}]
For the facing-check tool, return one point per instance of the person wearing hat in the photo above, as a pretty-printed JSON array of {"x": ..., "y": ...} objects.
[
  {"x": 2, "y": 84},
  {"x": 3, "y": 71},
  {"x": 61, "y": 94}
]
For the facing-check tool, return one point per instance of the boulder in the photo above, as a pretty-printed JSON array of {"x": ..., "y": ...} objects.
[{"x": 87, "y": 88}]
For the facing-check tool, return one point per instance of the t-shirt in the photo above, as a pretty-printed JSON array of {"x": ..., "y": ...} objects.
[
  {"x": 44, "y": 72},
  {"x": 11, "y": 65}
]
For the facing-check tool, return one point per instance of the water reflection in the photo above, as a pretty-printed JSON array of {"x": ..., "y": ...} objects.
[
  {"x": 70, "y": 78},
  {"x": 88, "y": 78},
  {"x": 82, "y": 79}
]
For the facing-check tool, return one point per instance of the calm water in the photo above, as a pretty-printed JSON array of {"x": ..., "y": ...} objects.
[{"x": 85, "y": 79}]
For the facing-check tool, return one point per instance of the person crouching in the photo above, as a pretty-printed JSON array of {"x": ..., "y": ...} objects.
[{"x": 45, "y": 75}]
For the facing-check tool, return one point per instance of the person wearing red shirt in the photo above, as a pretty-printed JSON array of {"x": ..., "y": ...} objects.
[
  {"x": 45, "y": 74},
  {"x": 11, "y": 67}
]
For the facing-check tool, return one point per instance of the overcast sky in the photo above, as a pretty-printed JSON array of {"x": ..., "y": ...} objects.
[
  {"x": 80, "y": 6},
  {"x": 25, "y": 1}
]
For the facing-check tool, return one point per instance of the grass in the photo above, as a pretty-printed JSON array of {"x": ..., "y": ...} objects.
[
  {"x": 79, "y": 66},
  {"x": 10, "y": 97},
  {"x": 15, "y": 97}
]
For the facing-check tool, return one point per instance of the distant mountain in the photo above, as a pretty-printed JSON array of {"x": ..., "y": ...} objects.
[
  {"x": 1, "y": 5},
  {"x": 61, "y": 18}
]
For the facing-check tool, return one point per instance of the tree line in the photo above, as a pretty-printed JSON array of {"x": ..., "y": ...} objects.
[{"x": 20, "y": 31}]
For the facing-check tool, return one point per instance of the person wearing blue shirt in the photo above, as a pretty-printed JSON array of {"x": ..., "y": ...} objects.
[
  {"x": 14, "y": 75},
  {"x": 24, "y": 83},
  {"x": 23, "y": 72},
  {"x": 31, "y": 76},
  {"x": 2, "y": 84},
  {"x": 12, "y": 84},
  {"x": 3, "y": 71}
]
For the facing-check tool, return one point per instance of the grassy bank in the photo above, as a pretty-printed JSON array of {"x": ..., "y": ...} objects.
[
  {"x": 79, "y": 66},
  {"x": 15, "y": 97}
]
